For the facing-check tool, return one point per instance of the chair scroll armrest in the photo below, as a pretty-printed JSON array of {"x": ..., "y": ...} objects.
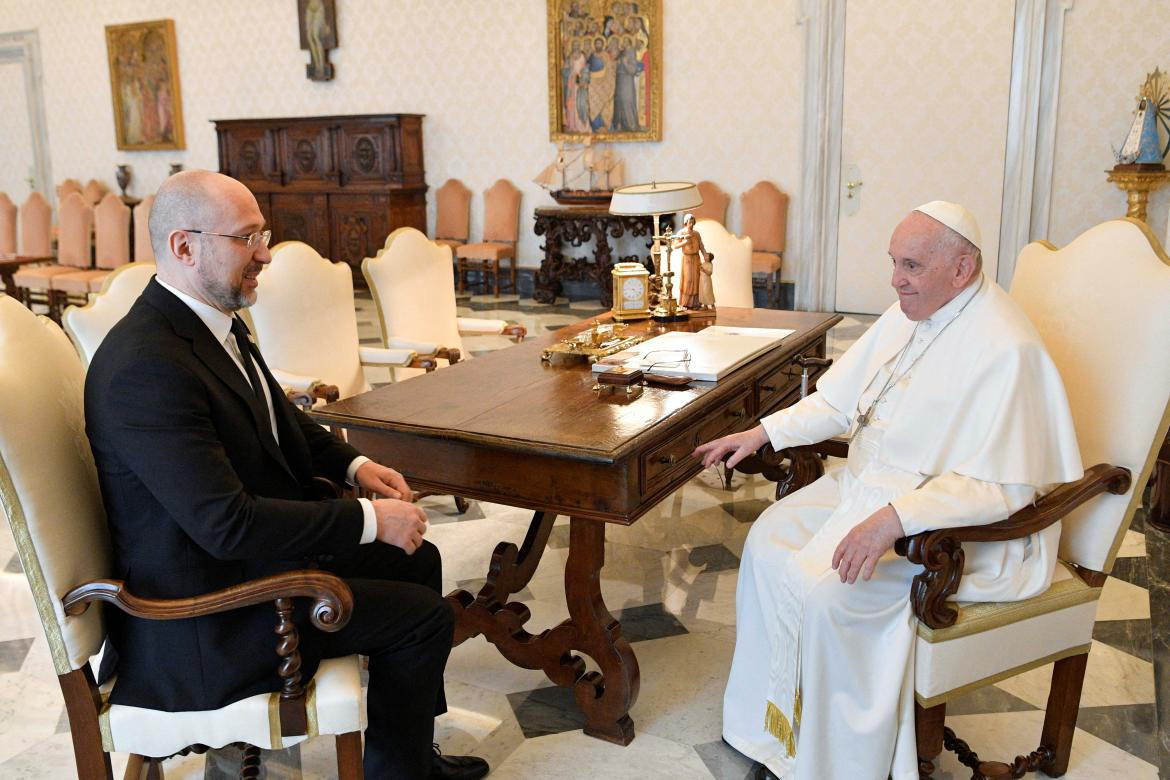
[
  {"x": 332, "y": 605},
  {"x": 472, "y": 325},
  {"x": 941, "y": 555},
  {"x": 794, "y": 467}
]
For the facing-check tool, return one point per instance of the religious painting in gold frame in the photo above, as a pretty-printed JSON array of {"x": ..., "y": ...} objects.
[
  {"x": 605, "y": 70},
  {"x": 144, "y": 80}
]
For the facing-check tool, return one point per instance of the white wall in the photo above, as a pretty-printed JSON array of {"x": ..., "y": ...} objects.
[{"x": 476, "y": 68}]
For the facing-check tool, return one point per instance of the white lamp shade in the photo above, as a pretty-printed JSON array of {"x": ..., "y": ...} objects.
[{"x": 662, "y": 197}]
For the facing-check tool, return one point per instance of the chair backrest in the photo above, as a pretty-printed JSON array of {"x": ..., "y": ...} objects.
[
  {"x": 74, "y": 227},
  {"x": 66, "y": 187},
  {"x": 410, "y": 279},
  {"x": 714, "y": 205},
  {"x": 453, "y": 211},
  {"x": 7, "y": 225},
  {"x": 304, "y": 318},
  {"x": 61, "y": 535},
  {"x": 111, "y": 230},
  {"x": 36, "y": 226},
  {"x": 94, "y": 191},
  {"x": 143, "y": 251},
  {"x": 764, "y": 216},
  {"x": 731, "y": 277},
  {"x": 501, "y": 213},
  {"x": 1107, "y": 333},
  {"x": 88, "y": 325}
]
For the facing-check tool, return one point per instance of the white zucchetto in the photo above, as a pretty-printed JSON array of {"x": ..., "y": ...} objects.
[{"x": 956, "y": 217}]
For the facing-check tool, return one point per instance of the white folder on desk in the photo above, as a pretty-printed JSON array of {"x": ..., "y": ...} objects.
[{"x": 706, "y": 355}]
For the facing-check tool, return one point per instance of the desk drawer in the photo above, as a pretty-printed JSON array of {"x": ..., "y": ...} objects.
[
  {"x": 777, "y": 385},
  {"x": 662, "y": 463}
]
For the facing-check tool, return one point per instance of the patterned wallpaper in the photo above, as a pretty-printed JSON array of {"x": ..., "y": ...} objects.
[
  {"x": 1106, "y": 58},
  {"x": 476, "y": 68}
]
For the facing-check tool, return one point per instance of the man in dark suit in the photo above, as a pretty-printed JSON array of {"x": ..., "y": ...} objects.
[{"x": 205, "y": 470}]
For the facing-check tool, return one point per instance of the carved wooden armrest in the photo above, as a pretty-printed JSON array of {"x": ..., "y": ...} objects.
[
  {"x": 941, "y": 554},
  {"x": 331, "y": 610},
  {"x": 794, "y": 467},
  {"x": 515, "y": 332}
]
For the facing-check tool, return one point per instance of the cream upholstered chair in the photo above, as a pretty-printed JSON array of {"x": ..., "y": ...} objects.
[
  {"x": 65, "y": 551},
  {"x": 501, "y": 230},
  {"x": 715, "y": 203},
  {"x": 1120, "y": 402},
  {"x": 94, "y": 191},
  {"x": 415, "y": 297},
  {"x": 74, "y": 227},
  {"x": 452, "y": 214},
  {"x": 143, "y": 250},
  {"x": 36, "y": 226},
  {"x": 764, "y": 219},
  {"x": 111, "y": 221},
  {"x": 88, "y": 325},
  {"x": 7, "y": 225},
  {"x": 66, "y": 187},
  {"x": 731, "y": 278},
  {"x": 306, "y": 326}
]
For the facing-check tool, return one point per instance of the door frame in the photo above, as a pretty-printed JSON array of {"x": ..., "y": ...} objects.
[{"x": 24, "y": 48}]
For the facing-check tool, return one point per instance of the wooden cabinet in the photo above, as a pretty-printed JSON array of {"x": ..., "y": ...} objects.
[{"x": 340, "y": 183}]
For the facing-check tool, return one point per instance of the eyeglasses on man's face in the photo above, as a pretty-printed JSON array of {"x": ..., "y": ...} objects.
[{"x": 252, "y": 240}]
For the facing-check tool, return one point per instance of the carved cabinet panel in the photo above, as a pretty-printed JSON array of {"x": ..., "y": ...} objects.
[{"x": 341, "y": 184}]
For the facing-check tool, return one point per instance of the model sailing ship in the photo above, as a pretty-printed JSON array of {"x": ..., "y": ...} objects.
[{"x": 584, "y": 174}]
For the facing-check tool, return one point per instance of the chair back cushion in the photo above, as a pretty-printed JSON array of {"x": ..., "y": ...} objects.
[
  {"x": 453, "y": 211},
  {"x": 48, "y": 482},
  {"x": 412, "y": 284},
  {"x": 66, "y": 187},
  {"x": 111, "y": 228},
  {"x": 143, "y": 251},
  {"x": 304, "y": 317},
  {"x": 1101, "y": 304},
  {"x": 7, "y": 225},
  {"x": 94, "y": 191},
  {"x": 501, "y": 212},
  {"x": 714, "y": 205},
  {"x": 731, "y": 276},
  {"x": 36, "y": 226},
  {"x": 88, "y": 325},
  {"x": 74, "y": 227},
  {"x": 765, "y": 216}
]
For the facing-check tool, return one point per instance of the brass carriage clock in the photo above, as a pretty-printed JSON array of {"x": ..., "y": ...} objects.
[{"x": 631, "y": 292}]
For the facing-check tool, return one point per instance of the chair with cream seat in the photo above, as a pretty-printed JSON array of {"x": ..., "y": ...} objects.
[
  {"x": 306, "y": 326},
  {"x": 1120, "y": 402},
  {"x": 143, "y": 251},
  {"x": 88, "y": 325},
  {"x": 452, "y": 214},
  {"x": 764, "y": 219},
  {"x": 501, "y": 231},
  {"x": 111, "y": 228},
  {"x": 7, "y": 225},
  {"x": 74, "y": 227},
  {"x": 65, "y": 551},
  {"x": 412, "y": 288},
  {"x": 715, "y": 202},
  {"x": 36, "y": 226},
  {"x": 731, "y": 269}
]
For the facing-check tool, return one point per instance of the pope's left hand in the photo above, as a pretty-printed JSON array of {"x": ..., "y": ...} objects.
[
  {"x": 859, "y": 551},
  {"x": 382, "y": 481}
]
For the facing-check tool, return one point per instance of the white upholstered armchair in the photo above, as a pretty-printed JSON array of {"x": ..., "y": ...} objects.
[
  {"x": 88, "y": 325},
  {"x": 65, "y": 551}
]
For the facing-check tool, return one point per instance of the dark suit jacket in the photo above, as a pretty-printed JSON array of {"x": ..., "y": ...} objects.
[{"x": 198, "y": 499}]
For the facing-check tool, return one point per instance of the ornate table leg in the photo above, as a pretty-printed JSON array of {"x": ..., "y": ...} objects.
[
  {"x": 605, "y": 696},
  {"x": 546, "y": 286}
]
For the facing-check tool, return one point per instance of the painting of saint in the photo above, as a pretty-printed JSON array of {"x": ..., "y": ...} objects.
[
  {"x": 605, "y": 70},
  {"x": 144, "y": 82}
]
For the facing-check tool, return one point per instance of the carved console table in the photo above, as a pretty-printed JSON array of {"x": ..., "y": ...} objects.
[
  {"x": 576, "y": 225},
  {"x": 341, "y": 184}
]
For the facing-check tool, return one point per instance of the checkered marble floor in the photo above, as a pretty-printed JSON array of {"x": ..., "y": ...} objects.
[{"x": 670, "y": 578}]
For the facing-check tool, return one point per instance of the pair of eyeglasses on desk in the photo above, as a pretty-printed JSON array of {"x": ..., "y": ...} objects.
[{"x": 665, "y": 358}]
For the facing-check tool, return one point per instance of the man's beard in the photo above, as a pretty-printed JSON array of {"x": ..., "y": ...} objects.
[{"x": 228, "y": 296}]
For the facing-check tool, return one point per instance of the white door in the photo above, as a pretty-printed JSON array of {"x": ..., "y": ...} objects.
[{"x": 924, "y": 118}]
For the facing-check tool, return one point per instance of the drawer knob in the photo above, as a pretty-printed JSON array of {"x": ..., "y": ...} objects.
[
  {"x": 768, "y": 388},
  {"x": 738, "y": 414},
  {"x": 666, "y": 460}
]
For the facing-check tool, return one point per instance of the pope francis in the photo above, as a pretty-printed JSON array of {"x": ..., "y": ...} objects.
[{"x": 956, "y": 416}]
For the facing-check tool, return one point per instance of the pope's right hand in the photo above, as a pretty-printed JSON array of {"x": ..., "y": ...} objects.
[
  {"x": 400, "y": 524},
  {"x": 735, "y": 447}
]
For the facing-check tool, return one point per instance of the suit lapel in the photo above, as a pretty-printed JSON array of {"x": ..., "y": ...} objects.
[{"x": 215, "y": 357}]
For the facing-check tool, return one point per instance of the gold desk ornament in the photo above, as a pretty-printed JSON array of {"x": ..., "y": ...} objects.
[
  {"x": 599, "y": 341},
  {"x": 631, "y": 291}
]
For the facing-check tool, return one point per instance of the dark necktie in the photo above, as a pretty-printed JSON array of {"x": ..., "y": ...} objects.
[{"x": 240, "y": 331}]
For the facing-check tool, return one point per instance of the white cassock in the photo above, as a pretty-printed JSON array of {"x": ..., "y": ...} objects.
[{"x": 821, "y": 684}]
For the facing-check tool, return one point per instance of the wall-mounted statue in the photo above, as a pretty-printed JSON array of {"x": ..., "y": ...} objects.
[{"x": 318, "y": 22}]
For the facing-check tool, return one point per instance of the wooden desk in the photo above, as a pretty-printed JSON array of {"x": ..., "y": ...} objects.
[
  {"x": 10, "y": 264},
  {"x": 505, "y": 428}
]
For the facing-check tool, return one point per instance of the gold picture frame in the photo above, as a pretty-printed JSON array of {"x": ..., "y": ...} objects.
[
  {"x": 605, "y": 70},
  {"x": 144, "y": 82}
]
